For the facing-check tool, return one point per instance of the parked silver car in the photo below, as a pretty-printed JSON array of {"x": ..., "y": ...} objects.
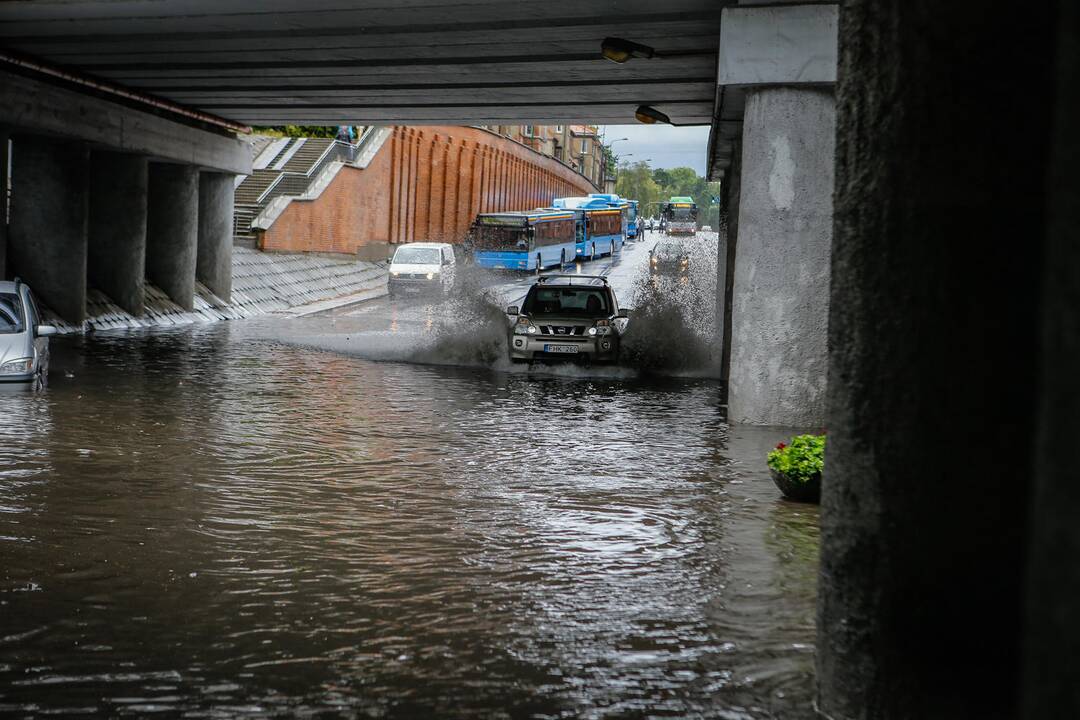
[
  {"x": 24, "y": 340},
  {"x": 567, "y": 318}
]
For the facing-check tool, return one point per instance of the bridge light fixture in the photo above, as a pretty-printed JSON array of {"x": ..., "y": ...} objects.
[
  {"x": 650, "y": 115},
  {"x": 619, "y": 50}
]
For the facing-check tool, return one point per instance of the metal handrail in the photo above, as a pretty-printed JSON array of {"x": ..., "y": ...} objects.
[{"x": 335, "y": 149}]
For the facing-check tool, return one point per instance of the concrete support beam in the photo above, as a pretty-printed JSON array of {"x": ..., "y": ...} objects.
[
  {"x": 172, "y": 230},
  {"x": 780, "y": 297},
  {"x": 47, "y": 232},
  {"x": 764, "y": 45},
  {"x": 213, "y": 266},
  {"x": 778, "y": 45},
  {"x": 47, "y": 108},
  {"x": 116, "y": 253},
  {"x": 934, "y": 372}
]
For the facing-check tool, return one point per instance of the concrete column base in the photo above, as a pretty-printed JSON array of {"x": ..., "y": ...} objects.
[
  {"x": 172, "y": 230},
  {"x": 214, "y": 263},
  {"x": 116, "y": 257},
  {"x": 47, "y": 231},
  {"x": 780, "y": 296}
]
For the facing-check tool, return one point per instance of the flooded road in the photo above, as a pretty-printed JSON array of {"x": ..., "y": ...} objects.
[{"x": 219, "y": 522}]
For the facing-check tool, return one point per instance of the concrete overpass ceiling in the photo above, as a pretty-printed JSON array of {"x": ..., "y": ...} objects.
[{"x": 408, "y": 61}]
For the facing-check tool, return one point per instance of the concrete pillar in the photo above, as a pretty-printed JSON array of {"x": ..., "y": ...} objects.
[
  {"x": 5, "y": 177},
  {"x": 116, "y": 241},
  {"x": 213, "y": 265},
  {"x": 172, "y": 230},
  {"x": 780, "y": 297},
  {"x": 47, "y": 231},
  {"x": 934, "y": 336},
  {"x": 1050, "y": 688}
]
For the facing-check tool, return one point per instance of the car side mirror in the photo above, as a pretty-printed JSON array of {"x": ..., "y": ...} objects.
[
  {"x": 45, "y": 330},
  {"x": 512, "y": 310},
  {"x": 623, "y": 313}
]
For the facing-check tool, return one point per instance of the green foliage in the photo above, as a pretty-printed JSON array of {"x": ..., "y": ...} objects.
[
  {"x": 800, "y": 461},
  {"x": 636, "y": 182},
  {"x": 318, "y": 131}
]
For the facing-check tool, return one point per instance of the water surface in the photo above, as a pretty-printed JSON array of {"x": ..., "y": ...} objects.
[{"x": 211, "y": 523}]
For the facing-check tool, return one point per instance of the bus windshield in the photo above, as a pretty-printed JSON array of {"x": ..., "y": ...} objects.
[
  {"x": 683, "y": 213},
  {"x": 500, "y": 237}
]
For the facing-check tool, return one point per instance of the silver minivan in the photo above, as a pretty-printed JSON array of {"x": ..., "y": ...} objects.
[{"x": 24, "y": 340}]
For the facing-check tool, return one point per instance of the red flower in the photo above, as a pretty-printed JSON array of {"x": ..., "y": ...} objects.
[{"x": 780, "y": 446}]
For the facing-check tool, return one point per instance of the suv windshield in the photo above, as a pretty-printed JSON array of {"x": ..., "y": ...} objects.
[
  {"x": 417, "y": 256},
  {"x": 11, "y": 313},
  {"x": 575, "y": 301},
  {"x": 669, "y": 251}
]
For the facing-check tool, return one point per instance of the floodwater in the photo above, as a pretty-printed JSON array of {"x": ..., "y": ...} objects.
[{"x": 217, "y": 522}]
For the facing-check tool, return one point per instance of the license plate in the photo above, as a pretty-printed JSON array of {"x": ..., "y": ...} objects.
[{"x": 561, "y": 349}]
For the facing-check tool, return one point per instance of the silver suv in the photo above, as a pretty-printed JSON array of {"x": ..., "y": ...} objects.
[
  {"x": 24, "y": 341},
  {"x": 567, "y": 317}
]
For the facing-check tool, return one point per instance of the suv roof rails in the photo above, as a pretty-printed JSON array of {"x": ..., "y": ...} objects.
[{"x": 571, "y": 276}]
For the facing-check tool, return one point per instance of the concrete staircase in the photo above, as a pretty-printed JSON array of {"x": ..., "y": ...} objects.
[{"x": 290, "y": 170}]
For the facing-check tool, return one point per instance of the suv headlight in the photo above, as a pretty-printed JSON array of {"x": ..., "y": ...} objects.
[
  {"x": 603, "y": 327},
  {"x": 430, "y": 276},
  {"x": 17, "y": 367},
  {"x": 524, "y": 327}
]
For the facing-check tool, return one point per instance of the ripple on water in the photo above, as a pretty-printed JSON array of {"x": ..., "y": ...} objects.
[{"x": 266, "y": 529}]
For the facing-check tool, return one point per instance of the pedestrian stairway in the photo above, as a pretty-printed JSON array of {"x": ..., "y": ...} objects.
[{"x": 295, "y": 164}]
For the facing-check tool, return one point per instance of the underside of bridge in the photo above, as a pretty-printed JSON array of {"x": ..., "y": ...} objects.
[{"x": 410, "y": 62}]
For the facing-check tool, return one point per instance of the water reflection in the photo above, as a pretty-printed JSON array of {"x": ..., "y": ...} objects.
[{"x": 207, "y": 523}]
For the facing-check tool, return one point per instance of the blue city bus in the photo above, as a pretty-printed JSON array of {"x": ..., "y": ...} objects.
[
  {"x": 631, "y": 207},
  {"x": 523, "y": 240},
  {"x": 601, "y": 229}
]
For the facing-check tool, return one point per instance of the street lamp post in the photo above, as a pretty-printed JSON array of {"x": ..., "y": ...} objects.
[{"x": 616, "y": 159}]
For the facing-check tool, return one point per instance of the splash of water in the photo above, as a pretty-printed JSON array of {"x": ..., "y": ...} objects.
[{"x": 674, "y": 330}]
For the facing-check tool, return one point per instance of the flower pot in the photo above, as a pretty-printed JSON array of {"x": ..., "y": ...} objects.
[{"x": 809, "y": 492}]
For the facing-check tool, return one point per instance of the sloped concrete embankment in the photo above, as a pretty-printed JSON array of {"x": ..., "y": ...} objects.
[{"x": 261, "y": 283}]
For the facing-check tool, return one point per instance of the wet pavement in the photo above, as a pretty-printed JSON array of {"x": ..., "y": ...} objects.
[{"x": 263, "y": 518}]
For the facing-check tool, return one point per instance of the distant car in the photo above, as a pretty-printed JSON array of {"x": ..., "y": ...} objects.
[
  {"x": 568, "y": 318},
  {"x": 422, "y": 267},
  {"x": 706, "y": 228},
  {"x": 668, "y": 257},
  {"x": 24, "y": 340}
]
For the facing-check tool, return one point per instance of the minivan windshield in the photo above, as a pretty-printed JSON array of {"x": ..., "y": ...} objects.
[
  {"x": 583, "y": 301},
  {"x": 417, "y": 256},
  {"x": 669, "y": 251},
  {"x": 11, "y": 314}
]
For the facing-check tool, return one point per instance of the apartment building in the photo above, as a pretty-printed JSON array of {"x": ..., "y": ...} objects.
[{"x": 577, "y": 146}]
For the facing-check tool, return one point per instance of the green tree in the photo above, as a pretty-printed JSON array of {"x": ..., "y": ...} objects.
[{"x": 636, "y": 183}]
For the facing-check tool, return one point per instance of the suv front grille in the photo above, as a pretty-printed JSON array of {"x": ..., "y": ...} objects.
[{"x": 562, "y": 330}]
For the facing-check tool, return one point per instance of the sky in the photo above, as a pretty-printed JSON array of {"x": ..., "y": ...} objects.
[{"x": 667, "y": 146}]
